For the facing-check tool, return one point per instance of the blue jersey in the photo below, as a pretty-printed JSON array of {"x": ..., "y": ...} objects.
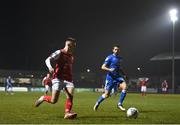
[
  {"x": 9, "y": 81},
  {"x": 113, "y": 78},
  {"x": 113, "y": 61}
]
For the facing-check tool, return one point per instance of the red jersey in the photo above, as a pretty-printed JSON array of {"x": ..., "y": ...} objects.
[
  {"x": 164, "y": 85},
  {"x": 47, "y": 81},
  {"x": 63, "y": 69},
  {"x": 143, "y": 83}
]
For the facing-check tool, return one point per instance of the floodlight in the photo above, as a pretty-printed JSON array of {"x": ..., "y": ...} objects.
[{"x": 173, "y": 15}]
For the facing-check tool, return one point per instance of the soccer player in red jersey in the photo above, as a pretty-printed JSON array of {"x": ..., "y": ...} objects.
[
  {"x": 143, "y": 84},
  {"x": 47, "y": 83},
  {"x": 62, "y": 77},
  {"x": 164, "y": 86}
]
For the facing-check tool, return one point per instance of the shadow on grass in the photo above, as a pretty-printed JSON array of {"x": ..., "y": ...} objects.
[
  {"x": 97, "y": 117},
  {"x": 149, "y": 111}
]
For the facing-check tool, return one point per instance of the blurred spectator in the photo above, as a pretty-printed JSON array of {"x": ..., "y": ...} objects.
[
  {"x": 164, "y": 87},
  {"x": 143, "y": 84},
  {"x": 47, "y": 83},
  {"x": 9, "y": 85}
]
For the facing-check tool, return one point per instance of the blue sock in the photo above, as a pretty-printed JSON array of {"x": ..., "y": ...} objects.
[
  {"x": 122, "y": 97},
  {"x": 101, "y": 98}
]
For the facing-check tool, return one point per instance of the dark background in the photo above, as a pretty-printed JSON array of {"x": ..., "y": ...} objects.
[{"x": 33, "y": 29}]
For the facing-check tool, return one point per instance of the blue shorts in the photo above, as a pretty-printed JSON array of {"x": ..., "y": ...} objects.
[
  {"x": 113, "y": 83},
  {"x": 115, "y": 88}
]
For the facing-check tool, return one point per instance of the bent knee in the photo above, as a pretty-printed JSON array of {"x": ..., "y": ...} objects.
[
  {"x": 123, "y": 86},
  {"x": 105, "y": 95},
  {"x": 53, "y": 101}
]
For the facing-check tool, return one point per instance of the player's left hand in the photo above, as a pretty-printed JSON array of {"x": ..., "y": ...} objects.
[
  {"x": 112, "y": 69},
  {"x": 51, "y": 70}
]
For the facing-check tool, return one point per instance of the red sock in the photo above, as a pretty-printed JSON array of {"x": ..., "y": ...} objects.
[
  {"x": 47, "y": 98},
  {"x": 68, "y": 105}
]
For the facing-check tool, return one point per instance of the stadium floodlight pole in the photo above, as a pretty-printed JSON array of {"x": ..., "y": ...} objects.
[{"x": 174, "y": 18}]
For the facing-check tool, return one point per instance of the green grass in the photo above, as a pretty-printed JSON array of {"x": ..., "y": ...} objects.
[{"x": 154, "y": 109}]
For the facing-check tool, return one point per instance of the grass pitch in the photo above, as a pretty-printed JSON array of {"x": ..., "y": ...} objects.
[{"x": 153, "y": 109}]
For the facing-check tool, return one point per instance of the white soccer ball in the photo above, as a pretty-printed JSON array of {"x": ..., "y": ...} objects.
[{"x": 132, "y": 113}]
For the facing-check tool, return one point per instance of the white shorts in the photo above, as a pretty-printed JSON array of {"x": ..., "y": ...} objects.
[
  {"x": 68, "y": 84},
  {"x": 143, "y": 88},
  {"x": 9, "y": 89},
  {"x": 47, "y": 88},
  {"x": 59, "y": 84},
  {"x": 164, "y": 89}
]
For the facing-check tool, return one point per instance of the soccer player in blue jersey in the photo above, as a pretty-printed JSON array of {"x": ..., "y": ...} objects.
[
  {"x": 115, "y": 76},
  {"x": 9, "y": 85}
]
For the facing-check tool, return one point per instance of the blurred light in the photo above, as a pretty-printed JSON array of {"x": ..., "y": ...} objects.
[
  {"x": 82, "y": 77},
  {"x": 173, "y": 15},
  {"x": 138, "y": 69},
  {"x": 88, "y": 70}
]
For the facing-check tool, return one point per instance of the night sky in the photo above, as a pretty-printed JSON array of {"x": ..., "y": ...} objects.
[{"x": 33, "y": 29}]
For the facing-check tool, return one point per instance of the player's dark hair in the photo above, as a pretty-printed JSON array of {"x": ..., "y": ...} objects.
[
  {"x": 71, "y": 39},
  {"x": 116, "y": 46}
]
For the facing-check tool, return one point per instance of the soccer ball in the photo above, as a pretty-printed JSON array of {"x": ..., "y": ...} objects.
[{"x": 132, "y": 113}]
